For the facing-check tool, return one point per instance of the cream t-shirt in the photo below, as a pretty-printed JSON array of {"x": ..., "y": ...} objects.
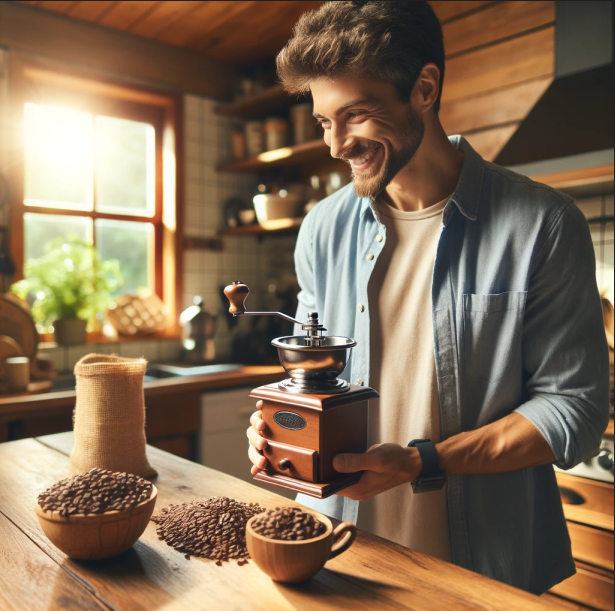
[{"x": 403, "y": 371}]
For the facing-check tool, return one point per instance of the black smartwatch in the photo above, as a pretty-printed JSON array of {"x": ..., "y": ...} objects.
[{"x": 431, "y": 477}]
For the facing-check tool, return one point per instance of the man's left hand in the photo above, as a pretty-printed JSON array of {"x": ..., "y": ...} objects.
[{"x": 384, "y": 466}]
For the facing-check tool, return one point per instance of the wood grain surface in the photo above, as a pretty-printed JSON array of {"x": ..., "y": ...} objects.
[
  {"x": 372, "y": 574},
  {"x": 587, "y": 501}
]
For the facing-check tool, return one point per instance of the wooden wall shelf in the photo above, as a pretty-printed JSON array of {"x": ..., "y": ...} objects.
[
  {"x": 287, "y": 156},
  {"x": 259, "y": 105},
  {"x": 275, "y": 227},
  {"x": 577, "y": 178}
]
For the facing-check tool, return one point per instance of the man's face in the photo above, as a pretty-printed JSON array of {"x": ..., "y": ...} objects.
[{"x": 367, "y": 125}]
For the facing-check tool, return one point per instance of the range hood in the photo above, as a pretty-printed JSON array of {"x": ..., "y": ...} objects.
[{"x": 575, "y": 115}]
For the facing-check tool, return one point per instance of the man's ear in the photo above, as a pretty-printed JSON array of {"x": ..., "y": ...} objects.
[{"x": 427, "y": 87}]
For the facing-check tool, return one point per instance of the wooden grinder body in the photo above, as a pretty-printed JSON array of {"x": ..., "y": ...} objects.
[{"x": 306, "y": 431}]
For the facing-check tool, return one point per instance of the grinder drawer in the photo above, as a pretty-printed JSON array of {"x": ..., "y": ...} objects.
[{"x": 292, "y": 461}]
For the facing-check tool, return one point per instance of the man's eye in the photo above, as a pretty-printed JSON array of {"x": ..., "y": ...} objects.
[{"x": 323, "y": 122}]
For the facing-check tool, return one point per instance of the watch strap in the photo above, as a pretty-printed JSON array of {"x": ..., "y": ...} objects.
[{"x": 429, "y": 457}]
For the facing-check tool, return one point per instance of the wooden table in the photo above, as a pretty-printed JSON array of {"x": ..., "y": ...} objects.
[{"x": 372, "y": 574}]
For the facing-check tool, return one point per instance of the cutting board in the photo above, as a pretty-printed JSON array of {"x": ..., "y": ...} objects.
[
  {"x": 9, "y": 347},
  {"x": 17, "y": 323}
]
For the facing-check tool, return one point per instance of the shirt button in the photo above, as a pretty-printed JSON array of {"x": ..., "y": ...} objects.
[
  {"x": 369, "y": 257},
  {"x": 360, "y": 307},
  {"x": 378, "y": 238},
  {"x": 360, "y": 382}
]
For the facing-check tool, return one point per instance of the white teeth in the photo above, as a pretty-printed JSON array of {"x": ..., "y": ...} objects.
[{"x": 363, "y": 160}]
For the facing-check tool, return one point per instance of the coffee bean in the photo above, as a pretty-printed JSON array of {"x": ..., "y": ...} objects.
[
  {"x": 82, "y": 494},
  {"x": 288, "y": 524},
  {"x": 214, "y": 529}
]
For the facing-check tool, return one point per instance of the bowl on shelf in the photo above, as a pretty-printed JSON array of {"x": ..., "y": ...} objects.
[
  {"x": 272, "y": 207},
  {"x": 247, "y": 217},
  {"x": 297, "y": 561},
  {"x": 96, "y": 535}
]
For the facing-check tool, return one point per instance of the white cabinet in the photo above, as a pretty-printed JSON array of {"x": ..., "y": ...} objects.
[{"x": 225, "y": 417}]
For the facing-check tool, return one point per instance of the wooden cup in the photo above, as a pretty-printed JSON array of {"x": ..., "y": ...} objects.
[
  {"x": 97, "y": 535},
  {"x": 296, "y": 561},
  {"x": 15, "y": 371}
]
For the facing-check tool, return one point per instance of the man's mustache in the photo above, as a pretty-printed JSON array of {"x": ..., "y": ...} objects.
[{"x": 357, "y": 150}]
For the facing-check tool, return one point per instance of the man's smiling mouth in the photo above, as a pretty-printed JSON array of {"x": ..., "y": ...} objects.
[{"x": 365, "y": 158}]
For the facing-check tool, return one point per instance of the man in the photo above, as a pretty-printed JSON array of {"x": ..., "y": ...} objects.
[{"x": 471, "y": 293}]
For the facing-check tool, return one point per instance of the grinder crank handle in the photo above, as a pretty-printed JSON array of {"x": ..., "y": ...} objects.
[{"x": 237, "y": 293}]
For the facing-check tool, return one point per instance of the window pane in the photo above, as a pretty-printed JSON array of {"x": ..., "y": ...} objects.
[
  {"x": 125, "y": 166},
  {"x": 58, "y": 158},
  {"x": 41, "y": 229},
  {"x": 132, "y": 244}
]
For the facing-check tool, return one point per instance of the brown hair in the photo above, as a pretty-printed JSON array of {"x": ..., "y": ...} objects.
[{"x": 387, "y": 41}]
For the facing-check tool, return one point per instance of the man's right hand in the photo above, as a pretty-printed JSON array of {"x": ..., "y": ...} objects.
[{"x": 257, "y": 442}]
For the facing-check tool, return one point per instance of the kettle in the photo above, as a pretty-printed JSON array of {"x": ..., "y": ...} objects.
[{"x": 199, "y": 330}]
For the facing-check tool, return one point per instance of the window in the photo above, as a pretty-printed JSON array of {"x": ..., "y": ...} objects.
[
  {"x": 99, "y": 162},
  {"x": 103, "y": 170}
]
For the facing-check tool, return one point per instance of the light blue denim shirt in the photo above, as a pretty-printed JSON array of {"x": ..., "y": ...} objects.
[{"x": 517, "y": 326}]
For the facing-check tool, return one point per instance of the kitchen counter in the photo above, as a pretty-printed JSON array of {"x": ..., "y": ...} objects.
[
  {"x": 173, "y": 408},
  {"x": 372, "y": 574},
  {"x": 14, "y": 405}
]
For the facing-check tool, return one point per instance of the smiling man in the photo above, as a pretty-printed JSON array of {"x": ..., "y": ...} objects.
[{"x": 471, "y": 293}]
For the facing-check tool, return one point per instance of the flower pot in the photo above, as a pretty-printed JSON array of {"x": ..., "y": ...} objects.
[{"x": 70, "y": 331}]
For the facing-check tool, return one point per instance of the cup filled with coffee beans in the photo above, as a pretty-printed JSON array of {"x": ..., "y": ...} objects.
[
  {"x": 291, "y": 544},
  {"x": 97, "y": 514}
]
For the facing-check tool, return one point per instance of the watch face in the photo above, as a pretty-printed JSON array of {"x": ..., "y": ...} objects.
[{"x": 428, "y": 484}]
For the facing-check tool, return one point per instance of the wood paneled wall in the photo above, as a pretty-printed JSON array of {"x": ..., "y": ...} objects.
[
  {"x": 500, "y": 55},
  {"x": 111, "y": 54},
  {"x": 500, "y": 60}
]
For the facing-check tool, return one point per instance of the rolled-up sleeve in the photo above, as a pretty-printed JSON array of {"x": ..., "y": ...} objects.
[
  {"x": 304, "y": 268},
  {"x": 565, "y": 354}
]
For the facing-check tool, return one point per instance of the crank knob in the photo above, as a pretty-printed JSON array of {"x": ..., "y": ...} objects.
[{"x": 237, "y": 293}]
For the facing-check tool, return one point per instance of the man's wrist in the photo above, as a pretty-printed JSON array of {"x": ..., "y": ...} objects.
[{"x": 413, "y": 465}]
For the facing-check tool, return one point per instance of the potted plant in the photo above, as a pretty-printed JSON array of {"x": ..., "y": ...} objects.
[{"x": 70, "y": 286}]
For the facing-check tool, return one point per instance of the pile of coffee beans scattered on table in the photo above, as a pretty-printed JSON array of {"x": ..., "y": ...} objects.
[
  {"x": 288, "y": 524},
  {"x": 96, "y": 491},
  {"x": 214, "y": 529}
]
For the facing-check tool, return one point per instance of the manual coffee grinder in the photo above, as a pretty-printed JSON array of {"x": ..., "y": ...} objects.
[{"x": 313, "y": 415}]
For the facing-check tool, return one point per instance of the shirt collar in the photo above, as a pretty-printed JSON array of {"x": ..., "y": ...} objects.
[{"x": 467, "y": 193}]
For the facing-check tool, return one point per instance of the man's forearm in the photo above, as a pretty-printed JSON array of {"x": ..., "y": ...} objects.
[{"x": 509, "y": 444}]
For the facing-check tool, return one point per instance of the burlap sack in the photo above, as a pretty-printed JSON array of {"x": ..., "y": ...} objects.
[{"x": 109, "y": 417}]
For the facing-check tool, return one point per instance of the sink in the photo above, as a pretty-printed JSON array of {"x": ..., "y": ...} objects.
[
  {"x": 155, "y": 372},
  {"x": 174, "y": 371}
]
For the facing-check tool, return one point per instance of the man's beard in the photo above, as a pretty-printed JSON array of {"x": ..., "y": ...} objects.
[{"x": 371, "y": 185}]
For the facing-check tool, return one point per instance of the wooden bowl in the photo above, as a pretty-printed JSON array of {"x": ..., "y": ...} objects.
[
  {"x": 97, "y": 535},
  {"x": 296, "y": 561}
]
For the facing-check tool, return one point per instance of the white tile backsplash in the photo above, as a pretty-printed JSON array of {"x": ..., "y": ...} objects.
[
  {"x": 208, "y": 143},
  {"x": 591, "y": 207},
  {"x": 602, "y": 237},
  {"x": 75, "y": 353},
  {"x": 64, "y": 358},
  {"x": 193, "y": 107}
]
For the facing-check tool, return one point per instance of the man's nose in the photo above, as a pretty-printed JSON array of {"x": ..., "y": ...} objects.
[{"x": 338, "y": 141}]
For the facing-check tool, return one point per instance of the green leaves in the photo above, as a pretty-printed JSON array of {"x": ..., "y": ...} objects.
[{"x": 69, "y": 281}]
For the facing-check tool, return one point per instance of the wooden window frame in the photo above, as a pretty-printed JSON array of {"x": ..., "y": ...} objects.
[{"x": 40, "y": 81}]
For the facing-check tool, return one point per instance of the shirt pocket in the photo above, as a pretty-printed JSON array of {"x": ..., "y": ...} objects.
[{"x": 492, "y": 328}]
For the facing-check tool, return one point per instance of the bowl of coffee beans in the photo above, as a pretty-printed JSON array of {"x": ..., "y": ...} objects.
[
  {"x": 97, "y": 514},
  {"x": 291, "y": 544}
]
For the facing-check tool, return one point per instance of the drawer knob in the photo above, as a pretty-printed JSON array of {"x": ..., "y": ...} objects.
[
  {"x": 605, "y": 459},
  {"x": 284, "y": 464}
]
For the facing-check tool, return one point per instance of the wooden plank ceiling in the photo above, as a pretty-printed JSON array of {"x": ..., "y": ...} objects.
[
  {"x": 500, "y": 55},
  {"x": 236, "y": 31}
]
